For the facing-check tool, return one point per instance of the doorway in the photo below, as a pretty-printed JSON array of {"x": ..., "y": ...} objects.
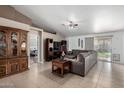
[
  {"x": 103, "y": 46},
  {"x": 34, "y": 49}
]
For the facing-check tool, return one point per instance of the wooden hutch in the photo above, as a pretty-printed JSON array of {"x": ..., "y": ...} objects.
[{"x": 13, "y": 51}]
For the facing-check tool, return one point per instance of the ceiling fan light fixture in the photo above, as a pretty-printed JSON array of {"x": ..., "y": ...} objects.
[{"x": 70, "y": 25}]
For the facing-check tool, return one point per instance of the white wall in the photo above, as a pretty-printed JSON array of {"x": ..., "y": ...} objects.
[
  {"x": 55, "y": 37},
  {"x": 14, "y": 24},
  {"x": 117, "y": 42},
  {"x": 89, "y": 43},
  {"x": 72, "y": 42}
]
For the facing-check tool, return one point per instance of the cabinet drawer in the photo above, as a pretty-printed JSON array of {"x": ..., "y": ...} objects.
[
  {"x": 23, "y": 59},
  {"x": 13, "y": 68},
  {"x": 23, "y": 66},
  {"x": 3, "y": 62},
  {"x": 3, "y": 70},
  {"x": 13, "y": 65},
  {"x": 14, "y": 60}
]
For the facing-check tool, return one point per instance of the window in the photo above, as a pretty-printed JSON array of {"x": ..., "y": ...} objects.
[{"x": 79, "y": 42}]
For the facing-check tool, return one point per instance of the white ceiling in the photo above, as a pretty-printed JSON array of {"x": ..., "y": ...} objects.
[{"x": 91, "y": 19}]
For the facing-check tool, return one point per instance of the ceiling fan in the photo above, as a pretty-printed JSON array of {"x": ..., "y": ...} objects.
[{"x": 71, "y": 24}]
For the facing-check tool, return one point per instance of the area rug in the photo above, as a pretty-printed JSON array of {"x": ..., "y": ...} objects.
[{"x": 60, "y": 80}]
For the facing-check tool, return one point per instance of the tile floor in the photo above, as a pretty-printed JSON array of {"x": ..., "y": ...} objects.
[{"x": 102, "y": 75}]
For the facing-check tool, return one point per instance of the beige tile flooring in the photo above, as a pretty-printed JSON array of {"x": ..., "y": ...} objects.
[{"x": 103, "y": 74}]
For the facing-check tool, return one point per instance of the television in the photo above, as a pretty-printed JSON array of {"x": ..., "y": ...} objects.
[{"x": 56, "y": 46}]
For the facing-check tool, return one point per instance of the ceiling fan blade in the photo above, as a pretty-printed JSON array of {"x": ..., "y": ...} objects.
[
  {"x": 75, "y": 24},
  {"x": 65, "y": 24}
]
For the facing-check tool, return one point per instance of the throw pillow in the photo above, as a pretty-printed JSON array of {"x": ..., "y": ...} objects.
[{"x": 79, "y": 58}]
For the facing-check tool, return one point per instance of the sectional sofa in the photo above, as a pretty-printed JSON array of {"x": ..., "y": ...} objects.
[{"x": 82, "y": 60}]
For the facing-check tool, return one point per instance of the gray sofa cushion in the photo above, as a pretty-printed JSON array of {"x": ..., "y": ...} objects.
[
  {"x": 75, "y": 52},
  {"x": 69, "y": 53},
  {"x": 68, "y": 59},
  {"x": 79, "y": 58},
  {"x": 85, "y": 54},
  {"x": 70, "y": 56}
]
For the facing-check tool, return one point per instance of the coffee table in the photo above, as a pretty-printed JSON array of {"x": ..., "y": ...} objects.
[{"x": 62, "y": 67}]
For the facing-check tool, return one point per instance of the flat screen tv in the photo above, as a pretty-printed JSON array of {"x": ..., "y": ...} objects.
[{"x": 56, "y": 45}]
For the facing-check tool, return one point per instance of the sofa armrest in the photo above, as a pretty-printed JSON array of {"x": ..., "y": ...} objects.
[
  {"x": 78, "y": 68},
  {"x": 90, "y": 60}
]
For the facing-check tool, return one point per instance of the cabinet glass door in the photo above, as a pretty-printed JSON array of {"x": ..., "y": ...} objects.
[
  {"x": 14, "y": 44},
  {"x": 3, "y": 44},
  {"x": 23, "y": 44}
]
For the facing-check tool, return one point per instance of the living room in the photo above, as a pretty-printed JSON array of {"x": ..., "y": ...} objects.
[{"x": 66, "y": 56}]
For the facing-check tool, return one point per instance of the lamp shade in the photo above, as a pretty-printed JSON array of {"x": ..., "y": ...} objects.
[{"x": 63, "y": 53}]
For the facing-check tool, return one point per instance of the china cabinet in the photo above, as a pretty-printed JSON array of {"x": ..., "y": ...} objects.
[{"x": 13, "y": 51}]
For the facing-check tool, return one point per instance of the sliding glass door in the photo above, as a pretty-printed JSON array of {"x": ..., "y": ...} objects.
[{"x": 103, "y": 46}]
